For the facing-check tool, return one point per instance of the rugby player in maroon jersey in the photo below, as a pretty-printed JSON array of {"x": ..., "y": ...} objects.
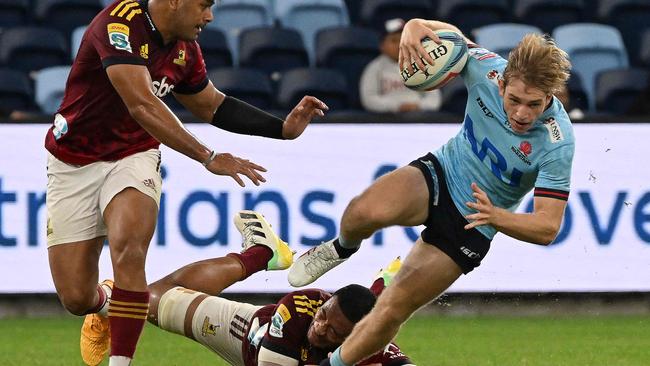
[
  {"x": 103, "y": 165},
  {"x": 300, "y": 329}
]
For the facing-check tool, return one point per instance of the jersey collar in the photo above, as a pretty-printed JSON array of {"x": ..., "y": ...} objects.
[{"x": 153, "y": 31}]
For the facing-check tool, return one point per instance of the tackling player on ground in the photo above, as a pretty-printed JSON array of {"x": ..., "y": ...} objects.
[
  {"x": 103, "y": 168},
  {"x": 516, "y": 137}
]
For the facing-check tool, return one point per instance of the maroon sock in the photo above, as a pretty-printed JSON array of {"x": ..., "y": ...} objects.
[
  {"x": 254, "y": 259},
  {"x": 101, "y": 302},
  {"x": 127, "y": 312},
  {"x": 377, "y": 286}
]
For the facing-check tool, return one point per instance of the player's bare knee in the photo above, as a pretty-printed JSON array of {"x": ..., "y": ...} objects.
[
  {"x": 77, "y": 302},
  {"x": 364, "y": 213}
]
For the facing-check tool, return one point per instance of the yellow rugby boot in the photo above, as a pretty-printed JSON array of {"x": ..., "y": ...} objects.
[
  {"x": 95, "y": 334},
  {"x": 256, "y": 231}
]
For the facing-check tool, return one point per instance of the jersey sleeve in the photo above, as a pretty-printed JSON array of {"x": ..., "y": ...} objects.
[
  {"x": 118, "y": 35},
  {"x": 554, "y": 177},
  {"x": 479, "y": 63},
  {"x": 289, "y": 324},
  {"x": 197, "y": 77},
  {"x": 390, "y": 356}
]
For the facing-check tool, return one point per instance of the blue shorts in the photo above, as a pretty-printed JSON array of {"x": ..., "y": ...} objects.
[{"x": 445, "y": 225}]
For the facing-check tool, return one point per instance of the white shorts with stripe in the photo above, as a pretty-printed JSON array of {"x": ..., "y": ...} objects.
[{"x": 78, "y": 195}]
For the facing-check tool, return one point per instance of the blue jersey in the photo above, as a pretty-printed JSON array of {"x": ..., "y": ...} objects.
[{"x": 506, "y": 165}]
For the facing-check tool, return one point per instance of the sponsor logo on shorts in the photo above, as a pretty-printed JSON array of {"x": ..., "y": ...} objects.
[
  {"x": 554, "y": 131},
  {"x": 468, "y": 252},
  {"x": 149, "y": 183},
  {"x": 485, "y": 109},
  {"x": 118, "y": 35}
]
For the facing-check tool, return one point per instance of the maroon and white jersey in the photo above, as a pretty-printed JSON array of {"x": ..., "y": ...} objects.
[
  {"x": 93, "y": 123},
  {"x": 282, "y": 328}
]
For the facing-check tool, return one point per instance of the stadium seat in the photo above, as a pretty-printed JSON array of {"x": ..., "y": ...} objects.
[
  {"x": 644, "y": 49},
  {"x": 592, "y": 48},
  {"x": 215, "y": 49},
  {"x": 470, "y": 14},
  {"x": 15, "y": 90},
  {"x": 66, "y": 15},
  {"x": 548, "y": 14},
  {"x": 502, "y": 37},
  {"x": 249, "y": 85},
  {"x": 75, "y": 40},
  {"x": 617, "y": 90},
  {"x": 234, "y": 16},
  {"x": 577, "y": 95},
  {"x": 349, "y": 50},
  {"x": 14, "y": 13},
  {"x": 32, "y": 48},
  {"x": 454, "y": 97},
  {"x": 272, "y": 50},
  {"x": 354, "y": 10},
  {"x": 630, "y": 17},
  {"x": 375, "y": 13},
  {"x": 310, "y": 16},
  {"x": 50, "y": 87},
  {"x": 326, "y": 84}
]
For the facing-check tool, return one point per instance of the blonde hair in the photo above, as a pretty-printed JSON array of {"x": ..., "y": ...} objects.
[{"x": 539, "y": 63}]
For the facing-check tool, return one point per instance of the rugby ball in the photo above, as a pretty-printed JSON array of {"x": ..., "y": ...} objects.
[{"x": 450, "y": 57}]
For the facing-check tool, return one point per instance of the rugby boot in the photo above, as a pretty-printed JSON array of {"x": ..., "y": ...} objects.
[
  {"x": 388, "y": 273},
  {"x": 95, "y": 334},
  {"x": 256, "y": 230},
  {"x": 313, "y": 264}
]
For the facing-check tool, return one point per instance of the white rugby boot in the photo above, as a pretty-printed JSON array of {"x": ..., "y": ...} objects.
[
  {"x": 313, "y": 264},
  {"x": 256, "y": 231}
]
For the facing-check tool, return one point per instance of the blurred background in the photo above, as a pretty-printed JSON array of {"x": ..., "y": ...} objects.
[{"x": 584, "y": 300}]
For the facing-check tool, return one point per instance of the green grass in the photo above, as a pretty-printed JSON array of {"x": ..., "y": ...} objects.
[{"x": 429, "y": 340}]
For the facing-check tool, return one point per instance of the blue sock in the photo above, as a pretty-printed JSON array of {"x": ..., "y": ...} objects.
[{"x": 336, "y": 360}]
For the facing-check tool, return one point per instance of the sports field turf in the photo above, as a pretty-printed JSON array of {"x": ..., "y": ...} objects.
[{"x": 430, "y": 340}]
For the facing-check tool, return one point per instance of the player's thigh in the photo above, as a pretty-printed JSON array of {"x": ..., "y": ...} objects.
[
  {"x": 72, "y": 201},
  {"x": 425, "y": 274},
  {"x": 397, "y": 198},
  {"x": 74, "y": 268},
  {"x": 217, "y": 323}
]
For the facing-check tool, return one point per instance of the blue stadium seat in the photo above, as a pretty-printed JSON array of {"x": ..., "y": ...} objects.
[
  {"x": 630, "y": 17},
  {"x": 644, "y": 49},
  {"x": 272, "y": 50},
  {"x": 32, "y": 48},
  {"x": 617, "y": 90},
  {"x": 75, "y": 40},
  {"x": 470, "y": 14},
  {"x": 310, "y": 16},
  {"x": 14, "y": 13},
  {"x": 577, "y": 95},
  {"x": 15, "y": 90},
  {"x": 548, "y": 14},
  {"x": 50, "y": 87},
  {"x": 592, "y": 48},
  {"x": 502, "y": 37},
  {"x": 250, "y": 85},
  {"x": 354, "y": 10},
  {"x": 454, "y": 97},
  {"x": 375, "y": 13},
  {"x": 326, "y": 84},
  {"x": 234, "y": 16},
  {"x": 215, "y": 49},
  {"x": 66, "y": 15},
  {"x": 349, "y": 50}
]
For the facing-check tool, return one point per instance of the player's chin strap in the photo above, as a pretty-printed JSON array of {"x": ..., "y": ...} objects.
[
  {"x": 240, "y": 117},
  {"x": 334, "y": 360}
]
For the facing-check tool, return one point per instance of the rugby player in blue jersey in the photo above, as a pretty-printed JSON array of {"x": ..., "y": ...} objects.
[{"x": 515, "y": 137}]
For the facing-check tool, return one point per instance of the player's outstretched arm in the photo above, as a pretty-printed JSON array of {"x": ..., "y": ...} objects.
[
  {"x": 133, "y": 84},
  {"x": 539, "y": 227}
]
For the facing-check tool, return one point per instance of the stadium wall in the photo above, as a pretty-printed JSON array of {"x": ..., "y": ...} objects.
[{"x": 603, "y": 247}]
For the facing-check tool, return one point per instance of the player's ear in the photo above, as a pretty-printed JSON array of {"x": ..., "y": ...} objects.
[{"x": 502, "y": 87}]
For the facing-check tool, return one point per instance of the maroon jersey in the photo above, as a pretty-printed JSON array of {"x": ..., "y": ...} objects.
[
  {"x": 93, "y": 124},
  {"x": 282, "y": 328}
]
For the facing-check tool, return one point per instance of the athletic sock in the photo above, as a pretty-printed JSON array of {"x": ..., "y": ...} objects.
[
  {"x": 254, "y": 259},
  {"x": 127, "y": 313},
  {"x": 102, "y": 303},
  {"x": 345, "y": 249}
]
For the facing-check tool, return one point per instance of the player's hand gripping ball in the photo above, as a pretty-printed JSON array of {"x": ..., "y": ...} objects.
[{"x": 449, "y": 58}]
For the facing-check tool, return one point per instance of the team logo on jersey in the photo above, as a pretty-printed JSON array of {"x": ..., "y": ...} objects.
[
  {"x": 180, "y": 60},
  {"x": 493, "y": 76},
  {"x": 118, "y": 35},
  {"x": 525, "y": 149},
  {"x": 161, "y": 88},
  {"x": 144, "y": 51},
  {"x": 60, "y": 126},
  {"x": 304, "y": 354},
  {"x": 554, "y": 131}
]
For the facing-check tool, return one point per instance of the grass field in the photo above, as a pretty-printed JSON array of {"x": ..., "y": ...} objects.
[{"x": 429, "y": 340}]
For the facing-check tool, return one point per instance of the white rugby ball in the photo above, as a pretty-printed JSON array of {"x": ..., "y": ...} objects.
[{"x": 450, "y": 57}]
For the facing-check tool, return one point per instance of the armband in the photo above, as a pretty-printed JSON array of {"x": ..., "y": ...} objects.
[{"x": 240, "y": 117}]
